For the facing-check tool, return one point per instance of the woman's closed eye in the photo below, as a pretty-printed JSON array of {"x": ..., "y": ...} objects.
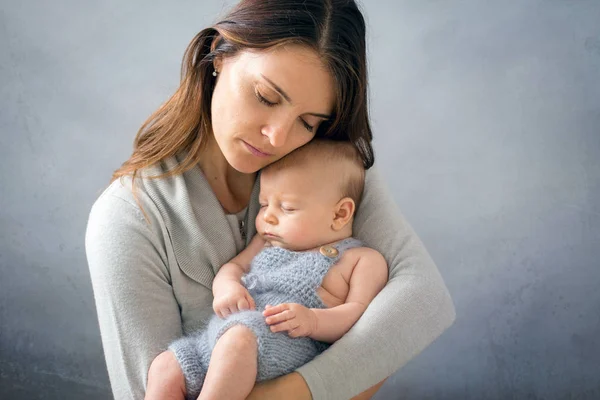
[
  {"x": 263, "y": 99},
  {"x": 308, "y": 127},
  {"x": 269, "y": 103}
]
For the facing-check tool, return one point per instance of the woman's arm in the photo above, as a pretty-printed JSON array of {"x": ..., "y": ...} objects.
[
  {"x": 290, "y": 387},
  {"x": 411, "y": 311},
  {"x": 137, "y": 312},
  {"x": 369, "y": 276}
]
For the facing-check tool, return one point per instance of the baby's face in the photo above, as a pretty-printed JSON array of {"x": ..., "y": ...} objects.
[{"x": 297, "y": 208}]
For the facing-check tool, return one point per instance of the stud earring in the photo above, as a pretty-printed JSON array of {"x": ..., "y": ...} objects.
[{"x": 215, "y": 73}]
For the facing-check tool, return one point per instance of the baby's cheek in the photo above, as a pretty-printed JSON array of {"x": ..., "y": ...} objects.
[
  {"x": 304, "y": 232},
  {"x": 258, "y": 222}
]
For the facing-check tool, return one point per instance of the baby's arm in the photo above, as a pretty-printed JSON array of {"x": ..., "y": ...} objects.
[
  {"x": 229, "y": 294},
  {"x": 240, "y": 264},
  {"x": 369, "y": 276}
]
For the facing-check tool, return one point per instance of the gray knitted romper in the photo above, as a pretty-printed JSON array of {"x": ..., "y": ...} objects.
[{"x": 276, "y": 276}]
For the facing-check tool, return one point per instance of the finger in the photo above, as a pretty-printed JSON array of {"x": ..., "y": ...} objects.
[
  {"x": 272, "y": 310},
  {"x": 252, "y": 303},
  {"x": 242, "y": 304},
  {"x": 225, "y": 310},
  {"x": 284, "y": 326},
  {"x": 232, "y": 309},
  {"x": 217, "y": 309},
  {"x": 281, "y": 317}
]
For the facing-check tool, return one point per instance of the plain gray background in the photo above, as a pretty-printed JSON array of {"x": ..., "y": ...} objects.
[{"x": 486, "y": 116}]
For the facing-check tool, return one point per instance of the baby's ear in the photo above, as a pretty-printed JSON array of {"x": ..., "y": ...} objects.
[{"x": 344, "y": 210}]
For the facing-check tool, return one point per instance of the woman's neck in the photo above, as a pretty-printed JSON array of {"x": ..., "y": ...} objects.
[{"x": 231, "y": 187}]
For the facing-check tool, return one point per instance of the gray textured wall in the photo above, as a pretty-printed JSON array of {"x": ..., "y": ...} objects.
[{"x": 487, "y": 125}]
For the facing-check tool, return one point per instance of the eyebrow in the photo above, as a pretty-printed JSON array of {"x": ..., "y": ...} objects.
[{"x": 288, "y": 99}]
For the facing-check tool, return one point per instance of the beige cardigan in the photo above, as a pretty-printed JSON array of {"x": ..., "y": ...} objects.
[{"x": 152, "y": 282}]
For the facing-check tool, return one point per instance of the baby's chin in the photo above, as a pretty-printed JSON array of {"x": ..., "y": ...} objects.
[
  {"x": 288, "y": 246},
  {"x": 279, "y": 243}
]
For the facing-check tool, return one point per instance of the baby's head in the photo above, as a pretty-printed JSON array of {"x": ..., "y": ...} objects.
[{"x": 308, "y": 198}]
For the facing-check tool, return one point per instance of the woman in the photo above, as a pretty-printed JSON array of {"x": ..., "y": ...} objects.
[{"x": 257, "y": 85}]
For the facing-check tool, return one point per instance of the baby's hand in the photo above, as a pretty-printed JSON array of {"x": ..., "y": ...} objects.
[
  {"x": 233, "y": 299},
  {"x": 294, "y": 318}
]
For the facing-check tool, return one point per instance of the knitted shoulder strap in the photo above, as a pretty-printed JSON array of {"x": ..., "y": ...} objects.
[{"x": 347, "y": 244}]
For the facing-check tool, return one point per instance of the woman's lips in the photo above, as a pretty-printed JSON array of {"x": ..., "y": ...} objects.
[{"x": 256, "y": 151}]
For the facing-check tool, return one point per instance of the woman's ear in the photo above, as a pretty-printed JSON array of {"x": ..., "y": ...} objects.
[{"x": 344, "y": 211}]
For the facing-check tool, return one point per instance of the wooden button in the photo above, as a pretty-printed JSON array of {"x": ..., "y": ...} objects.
[{"x": 329, "y": 251}]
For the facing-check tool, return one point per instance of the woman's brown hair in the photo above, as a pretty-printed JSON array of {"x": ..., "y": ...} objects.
[{"x": 335, "y": 29}]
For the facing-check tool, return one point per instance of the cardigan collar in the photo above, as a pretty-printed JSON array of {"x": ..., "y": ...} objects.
[{"x": 200, "y": 235}]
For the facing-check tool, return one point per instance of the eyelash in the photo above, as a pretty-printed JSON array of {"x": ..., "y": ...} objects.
[
  {"x": 264, "y": 101},
  {"x": 267, "y": 103},
  {"x": 286, "y": 209}
]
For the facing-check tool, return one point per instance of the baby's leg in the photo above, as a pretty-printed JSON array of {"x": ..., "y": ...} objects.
[
  {"x": 165, "y": 378},
  {"x": 232, "y": 371}
]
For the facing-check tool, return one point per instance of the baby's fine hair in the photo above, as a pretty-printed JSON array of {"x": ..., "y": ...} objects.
[{"x": 339, "y": 161}]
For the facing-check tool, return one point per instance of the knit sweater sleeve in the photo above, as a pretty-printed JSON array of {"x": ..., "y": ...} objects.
[
  {"x": 137, "y": 311},
  {"x": 412, "y": 310}
]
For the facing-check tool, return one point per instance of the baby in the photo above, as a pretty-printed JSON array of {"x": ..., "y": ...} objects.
[{"x": 300, "y": 285}]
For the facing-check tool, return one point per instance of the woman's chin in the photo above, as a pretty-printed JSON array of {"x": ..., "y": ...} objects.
[{"x": 245, "y": 166}]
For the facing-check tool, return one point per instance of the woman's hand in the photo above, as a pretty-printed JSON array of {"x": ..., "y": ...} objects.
[
  {"x": 294, "y": 318},
  {"x": 231, "y": 298}
]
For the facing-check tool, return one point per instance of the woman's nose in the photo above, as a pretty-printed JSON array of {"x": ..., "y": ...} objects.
[{"x": 277, "y": 132}]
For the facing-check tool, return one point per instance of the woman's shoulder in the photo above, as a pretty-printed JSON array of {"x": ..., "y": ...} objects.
[
  {"x": 127, "y": 198},
  {"x": 146, "y": 194},
  {"x": 119, "y": 209},
  {"x": 120, "y": 196},
  {"x": 121, "y": 188},
  {"x": 375, "y": 190},
  {"x": 374, "y": 182}
]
